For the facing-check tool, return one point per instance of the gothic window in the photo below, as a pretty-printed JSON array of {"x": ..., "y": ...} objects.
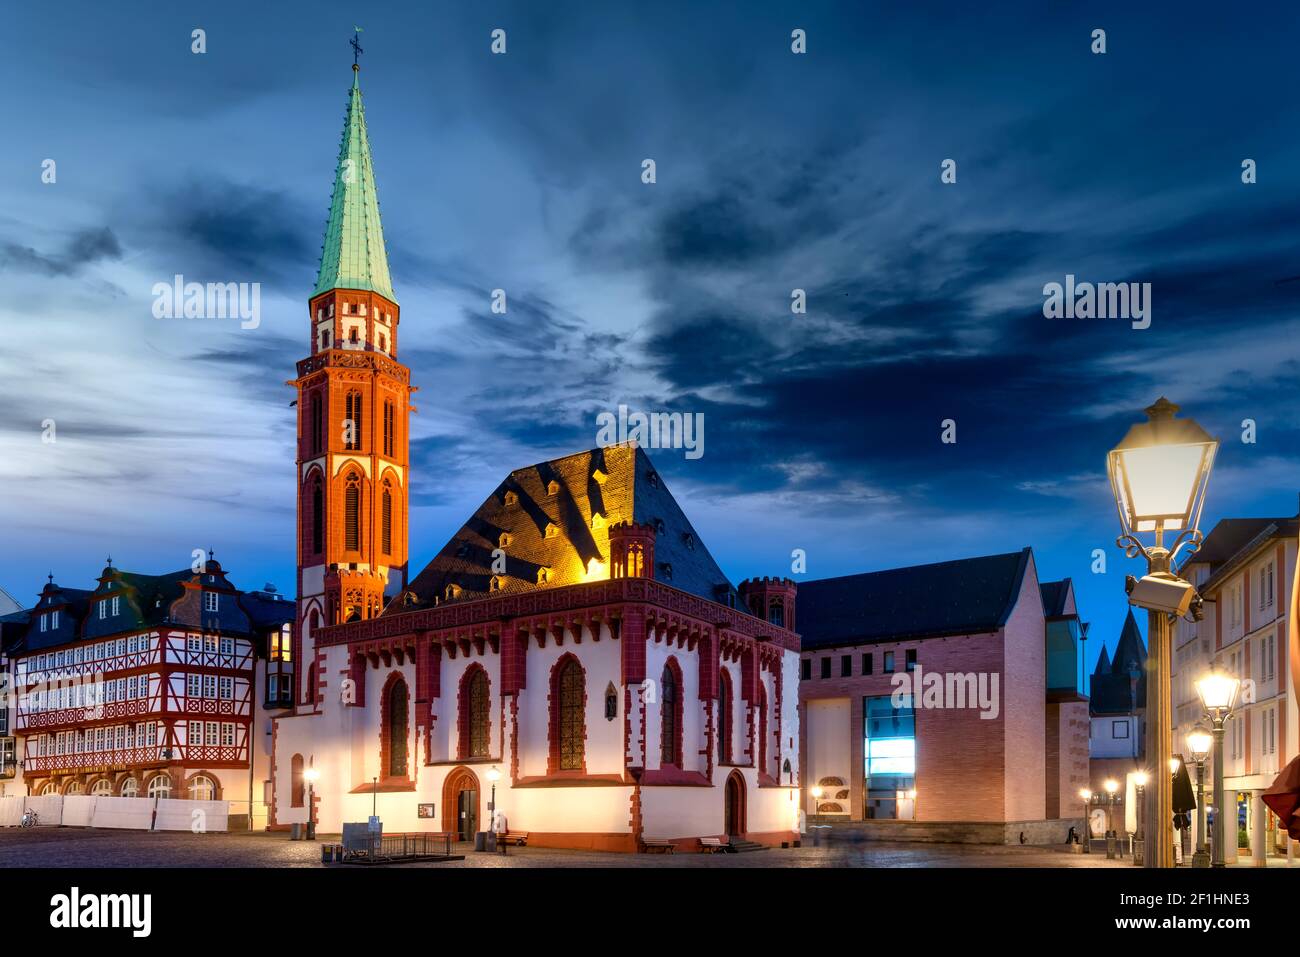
[
  {"x": 387, "y": 515},
  {"x": 635, "y": 555},
  {"x": 388, "y": 428},
  {"x": 495, "y": 583},
  {"x": 297, "y": 790},
  {"x": 669, "y": 720},
  {"x": 543, "y": 575},
  {"x": 776, "y": 612},
  {"x": 352, "y": 427},
  {"x": 569, "y": 727},
  {"x": 396, "y": 729},
  {"x": 475, "y": 702},
  {"x": 317, "y": 515},
  {"x": 316, "y": 423},
  {"x": 352, "y": 513},
  {"x": 724, "y": 717},
  {"x": 611, "y": 702}
]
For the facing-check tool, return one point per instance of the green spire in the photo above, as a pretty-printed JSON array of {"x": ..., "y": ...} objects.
[{"x": 354, "y": 256}]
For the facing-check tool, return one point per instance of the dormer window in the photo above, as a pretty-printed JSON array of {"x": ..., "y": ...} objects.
[
  {"x": 552, "y": 530},
  {"x": 598, "y": 520},
  {"x": 688, "y": 540},
  {"x": 600, "y": 477},
  {"x": 666, "y": 571},
  {"x": 552, "y": 487},
  {"x": 659, "y": 526},
  {"x": 505, "y": 540},
  {"x": 211, "y": 601},
  {"x": 495, "y": 583},
  {"x": 512, "y": 498},
  {"x": 653, "y": 479},
  {"x": 543, "y": 575},
  {"x": 462, "y": 551},
  {"x": 453, "y": 591}
]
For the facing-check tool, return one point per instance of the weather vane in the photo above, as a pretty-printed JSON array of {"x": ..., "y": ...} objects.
[{"x": 356, "y": 48}]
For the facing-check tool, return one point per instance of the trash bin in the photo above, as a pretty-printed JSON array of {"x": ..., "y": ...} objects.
[
  {"x": 327, "y": 853},
  {"x": 295, "y": 832},
  {"x": 480, "y": 840}
]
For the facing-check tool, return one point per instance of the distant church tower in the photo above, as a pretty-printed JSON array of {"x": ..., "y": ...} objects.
[{"x": 353, "y": 411}]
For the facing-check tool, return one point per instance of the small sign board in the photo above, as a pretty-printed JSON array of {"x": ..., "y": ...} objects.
[
  {"x": 374, "y": 825},
  {"x": 357, "y": 837},
  {"x": 424, "y": 810}
]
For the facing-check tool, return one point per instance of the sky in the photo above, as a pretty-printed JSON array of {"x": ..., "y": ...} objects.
[{"x": 775, "y": 171}]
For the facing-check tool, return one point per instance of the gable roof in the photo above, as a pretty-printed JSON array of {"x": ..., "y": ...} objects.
[
  {"x": 618, "y": 484},
  {"x": 8, "y": 604},
  {"x": 1056, "y": 597},
  {"x": 353, "y": 255},
  {"x": 967, "y": 596}
]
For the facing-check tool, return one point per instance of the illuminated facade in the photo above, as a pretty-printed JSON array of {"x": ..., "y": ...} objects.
[
  {"x": 574, "y": 646},
  {"x": 150, "y": 686}
]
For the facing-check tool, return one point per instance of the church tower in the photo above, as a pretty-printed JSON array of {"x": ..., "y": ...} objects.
[{"x": 353, "y": 412}]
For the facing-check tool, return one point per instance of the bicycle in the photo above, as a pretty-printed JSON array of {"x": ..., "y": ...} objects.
[{"x": 30, "y": 819}]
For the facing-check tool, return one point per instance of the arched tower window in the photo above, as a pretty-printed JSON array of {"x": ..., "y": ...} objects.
[
  {"x": 386, "y": 510},
  {"x": 396, "y": 714},
  {"x": 724, "y": 717},
  {"x": 475, "y": 704},
  {"x": 670, "y": 721},
  {"x": 317, "y": 424},
  {"x": 317, "y": 515},
  {"x": 568, "y": 720},
  {"x": 352, "y": 513},
  {"x": 388, "y": 427},
  {"x": 352, "y": 427}
]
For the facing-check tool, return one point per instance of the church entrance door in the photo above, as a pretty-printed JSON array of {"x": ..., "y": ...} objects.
[
  {"x": 460, "y": 804},
  {"x": 735, "y": 805}
]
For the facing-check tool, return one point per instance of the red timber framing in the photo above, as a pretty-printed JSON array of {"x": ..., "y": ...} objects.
[
  {"x": 154, "y": 724},
  {"x": 635, "y": 611}
]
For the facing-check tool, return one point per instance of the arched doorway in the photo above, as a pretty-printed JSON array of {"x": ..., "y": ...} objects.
[
  {"x": 460, "y": 804},
  {"x": 734, "y": 815}
]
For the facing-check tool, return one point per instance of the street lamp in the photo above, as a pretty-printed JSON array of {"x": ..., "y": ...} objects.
[
  {"x": 1199, "y": 742},
  {"x": 1158, "y": 474},
  {"x": 1140, "y": 785},
  {"x": 1085, "y": 795},
  {"x": 493, "y": 775},
  {"x": 1112, "y": 838},
  {"x": 311, "y": 776},
  {"x": 1218, "y": 691}
]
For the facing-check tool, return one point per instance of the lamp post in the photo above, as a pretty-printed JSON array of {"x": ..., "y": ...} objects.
[
  {"x": 1198, "y": 742},
  {"x": 311, "y": 776},
  {"x": 1139, "y": 847},
  {"x": 1159, "y": 473},
  {"x": 1085, "y": 795},
  {"x": 1218, "y": 691},
  {"x": 493, "y": 775},
  {"x": 1112, "y": 838}
]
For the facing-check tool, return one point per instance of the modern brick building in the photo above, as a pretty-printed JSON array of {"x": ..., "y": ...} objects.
[{"x": 925, "y": 700}]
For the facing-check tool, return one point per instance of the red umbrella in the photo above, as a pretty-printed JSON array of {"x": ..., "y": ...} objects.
[{"x": 1283, "y": 798}]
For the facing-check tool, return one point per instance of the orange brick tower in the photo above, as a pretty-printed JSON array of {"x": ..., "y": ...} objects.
[{"x": 353, "y": 412}]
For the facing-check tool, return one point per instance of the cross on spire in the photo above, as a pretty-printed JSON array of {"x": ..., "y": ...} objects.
[{"x": 356, "y": 48}]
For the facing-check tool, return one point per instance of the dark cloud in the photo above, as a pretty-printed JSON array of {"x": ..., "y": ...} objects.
[{"x": 85, "y": 248}]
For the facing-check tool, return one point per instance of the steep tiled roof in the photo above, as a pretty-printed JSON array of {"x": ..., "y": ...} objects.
[
  {"x": 617, "y": 484},
  {"x": 1103, "y": 662},
  {"x": 968, "y": 596}
]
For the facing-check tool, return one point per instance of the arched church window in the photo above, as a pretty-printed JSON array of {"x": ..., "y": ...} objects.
[
  {"x": 668, "y": 717},
  {"x": 387, "y": 516},
  {"x": 352, "y": 513},
  {"x": 388, "y": 426},
  {"x": 396, "y": 727},
  {"x": 724, "y": 717},
  {"x": 476, "y": 704},
  {"x": 570, "y": 728},
  {"x": 316, "y": 424},
  {"x": 352, "y": 427},
  {"x": 317, "y": 515}
]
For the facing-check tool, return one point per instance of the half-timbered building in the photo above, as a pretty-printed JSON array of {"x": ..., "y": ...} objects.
[
  {"x": 573, "y": 649},
  {"x": 151, "y": 686}
]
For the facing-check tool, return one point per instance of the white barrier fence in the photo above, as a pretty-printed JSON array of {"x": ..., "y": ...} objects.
[{"x": 136, "y": 814}]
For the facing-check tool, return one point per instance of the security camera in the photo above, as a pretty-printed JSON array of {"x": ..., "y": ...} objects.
[{"x": 1162, "y": 593}]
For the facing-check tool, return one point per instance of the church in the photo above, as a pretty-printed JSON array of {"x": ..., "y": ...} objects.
[{"x": 574, "y": 654}]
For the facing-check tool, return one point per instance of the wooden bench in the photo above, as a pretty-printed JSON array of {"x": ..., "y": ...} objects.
[
  {"x": 713, "y": 845},
  {"x": 663, "y": 847},
  {"x": 517, "y": 838}
]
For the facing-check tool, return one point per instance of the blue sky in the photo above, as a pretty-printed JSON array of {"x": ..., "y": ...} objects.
[{"x": 775, "y": 172}]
